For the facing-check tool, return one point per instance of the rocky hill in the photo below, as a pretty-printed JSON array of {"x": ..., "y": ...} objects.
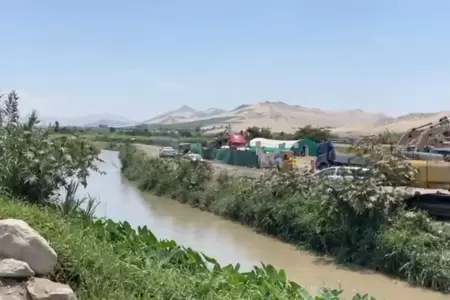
[
  {"x": 183, "y": 114},
  {"x": 280, "y": 116},
  {"x": 89, "y": 121},
  {"x": 398, "y": 124}
]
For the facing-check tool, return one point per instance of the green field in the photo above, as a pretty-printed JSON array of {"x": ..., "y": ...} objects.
[{"x": 138, "y": 139}]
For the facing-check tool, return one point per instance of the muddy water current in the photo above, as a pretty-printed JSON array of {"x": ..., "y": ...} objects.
[{"x": 230, "y": 242}]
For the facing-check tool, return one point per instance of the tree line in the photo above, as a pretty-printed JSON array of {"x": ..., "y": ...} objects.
[{"x": 308, "y": 132}]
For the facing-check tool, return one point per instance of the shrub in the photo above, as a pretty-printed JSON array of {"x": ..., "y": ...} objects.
[
  {"x": 101, "y": 259},
  {"x": 357, "y": 222},
  {"x": 34, "y": 167},
  {"x": 115, "y": 261}
]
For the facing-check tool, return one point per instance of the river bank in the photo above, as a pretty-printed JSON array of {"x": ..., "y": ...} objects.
[
  {"x": 408, "y": 245},
  {"x": 98, "y": 258},
  {"x": 113, "y": 261},
  {"x": 230, "y": 242}
]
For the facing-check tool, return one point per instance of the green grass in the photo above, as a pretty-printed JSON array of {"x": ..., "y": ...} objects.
[
  {"x": 138, "y": 139},
  {"x": 356, "y": 224},
  {"x": 106, "y": 260},
  {"x": 101, "y": 259}
]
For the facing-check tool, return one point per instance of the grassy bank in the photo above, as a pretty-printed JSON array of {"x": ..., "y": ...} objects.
[
  {"x": 146, "y": 140},
  {"x": 101, "y": 259},
  {"x": 107, "y": 145},
  {"x": 356, "y": 223}
]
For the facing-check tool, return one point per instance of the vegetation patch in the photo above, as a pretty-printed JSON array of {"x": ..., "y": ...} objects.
[
  {"x": 357, "y": 222},
  {"x": 190, "y": 125},
  {"x": 146, "y": 140},
  {"x": 101, "y": 259}
]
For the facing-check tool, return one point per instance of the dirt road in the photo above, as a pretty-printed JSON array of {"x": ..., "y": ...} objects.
[{"x": 243, "y": 171}]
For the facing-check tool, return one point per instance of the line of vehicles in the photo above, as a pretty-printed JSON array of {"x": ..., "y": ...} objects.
[
  {"x": 428, "y": 148},
  {"x": 170, "y": 152}
]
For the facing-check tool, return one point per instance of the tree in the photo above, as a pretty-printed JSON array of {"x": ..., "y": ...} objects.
[
  {"x": 33, "y": 166},
  {"x": 184, "y": 133},
  {"x": 313, "y": 133},
  {"x": 258, "y": 132},
  {"x": 112, "y": 129},
  {"x": 57, "y": 126}
]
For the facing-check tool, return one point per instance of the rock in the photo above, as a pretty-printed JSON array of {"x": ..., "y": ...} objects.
[
  {"x": 12, "y": 290},
  {"x": 19, "y": 241},
  {"x": 44, "y": 289},
  {"x": 15, "y": 269}
]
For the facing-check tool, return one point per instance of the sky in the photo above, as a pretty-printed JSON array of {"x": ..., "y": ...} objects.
[{"x": 139, "y": 58}]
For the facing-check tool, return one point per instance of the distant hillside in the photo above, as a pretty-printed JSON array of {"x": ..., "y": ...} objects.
[
  {"x": 279, "y": 116},
  {"x": 90, "y": 121},
  {"x": 399, "y": 124},
  {"x": 109, "y": 123},
  {"x": 183, "y": 114}
]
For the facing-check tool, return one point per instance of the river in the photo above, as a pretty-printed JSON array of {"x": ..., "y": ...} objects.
[{"x": 230, "y": 242}]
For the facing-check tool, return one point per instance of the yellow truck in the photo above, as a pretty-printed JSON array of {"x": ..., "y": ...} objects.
[{"x": 432, "y": 174}]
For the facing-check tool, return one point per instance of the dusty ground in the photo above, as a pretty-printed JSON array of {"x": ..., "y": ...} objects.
[
  {"x": 243, "y": 171},
  {"x": 301, "y": 162},
  {"x": 280, "y": 116},
  {"x": 154, "y": 151}
]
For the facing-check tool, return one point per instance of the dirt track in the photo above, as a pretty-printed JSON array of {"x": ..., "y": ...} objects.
[
  {"x": 154, "y": 151},
  {"x": 243, "y": 171}
]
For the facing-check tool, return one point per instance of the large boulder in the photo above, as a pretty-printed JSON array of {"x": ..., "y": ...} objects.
[
  {"x": 12, "y": 290},
  {"x": 12, "y": 268},
  {"x": 44, "y": 289},
  {"x": 21, "y": 242}
]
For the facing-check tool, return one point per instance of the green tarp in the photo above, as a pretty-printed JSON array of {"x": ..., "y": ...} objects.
[
  {"x": 236, "y": 157},
  {"x": 228, "y": 156}
]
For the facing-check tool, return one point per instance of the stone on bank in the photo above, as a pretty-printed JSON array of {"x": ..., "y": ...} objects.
[
  {"x": 44, "y": 289},
  {"x": 24, "y": 253},
  {"x": 11, "y": 268},
  {"x": 19, "y": 241}
]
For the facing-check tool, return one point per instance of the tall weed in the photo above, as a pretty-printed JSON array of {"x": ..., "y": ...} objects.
[
  {"x": 33, "y": 166},
  {"x": 360, "y": 221}
]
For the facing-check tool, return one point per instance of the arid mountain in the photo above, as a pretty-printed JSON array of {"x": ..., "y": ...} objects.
[
  {"x": 399, "y": 124},
  {"x": 183, "y": 114},
  {"x": 280, "y": 116},
  {"x": 90, "y": 121}
]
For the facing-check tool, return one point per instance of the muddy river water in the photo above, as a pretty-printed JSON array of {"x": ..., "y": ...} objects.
[{"x": 230, "y": 242}]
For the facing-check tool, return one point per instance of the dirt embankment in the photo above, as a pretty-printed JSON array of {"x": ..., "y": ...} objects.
[{"x": 243, "y": 171}]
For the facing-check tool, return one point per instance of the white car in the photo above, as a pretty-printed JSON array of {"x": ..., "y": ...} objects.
[
  {"x": 167, "y": 152},
  {"x": 342, "y": 172},
  {"x": 195, "y": 157}
]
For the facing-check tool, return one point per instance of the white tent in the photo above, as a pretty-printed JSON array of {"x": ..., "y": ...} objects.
[{"x": 268, "y": 143}]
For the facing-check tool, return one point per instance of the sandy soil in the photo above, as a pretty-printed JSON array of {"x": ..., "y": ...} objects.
[
  {"x": 280, "y": 116},
  {"x": 301, "y": 162},
  {"x": 243, "y": 171}
]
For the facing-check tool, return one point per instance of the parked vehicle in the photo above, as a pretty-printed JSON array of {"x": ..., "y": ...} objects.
[
  {"x": 194, "y": 157},
  {"x": 167, "y": 152},
  {"x": 342, "y": 173},
  {"x": 184, "y": 148}
]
